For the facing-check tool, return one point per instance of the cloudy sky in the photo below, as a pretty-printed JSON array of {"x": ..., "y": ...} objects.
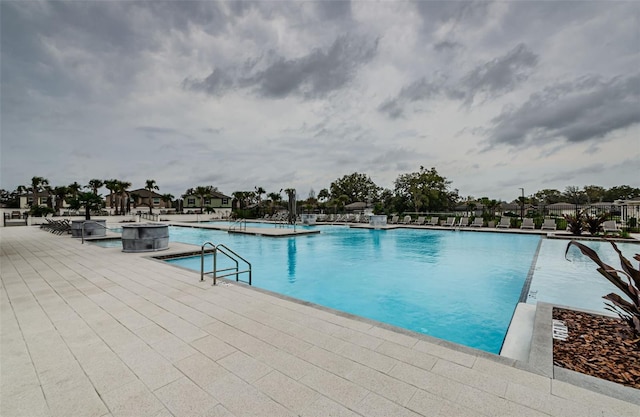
[{"x": 295, "y": 94}]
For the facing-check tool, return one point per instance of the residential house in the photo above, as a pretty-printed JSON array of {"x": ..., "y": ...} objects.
[
  {"x": 145, "y": 198},
  {"x": 216, "y": 201},
  {"x": 26, "y": 200},
  {"x": 139, "y": 198}
]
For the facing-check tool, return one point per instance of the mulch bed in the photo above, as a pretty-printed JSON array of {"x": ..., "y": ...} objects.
[{"x": 599, "y": 346}]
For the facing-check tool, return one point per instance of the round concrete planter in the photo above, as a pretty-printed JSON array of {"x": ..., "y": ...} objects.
[
  {"x": 92, "y": 228},
  {"x": 145, "y": 237}
]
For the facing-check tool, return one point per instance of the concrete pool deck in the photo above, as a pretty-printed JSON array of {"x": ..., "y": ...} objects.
[{"x": 91, "y": 331}]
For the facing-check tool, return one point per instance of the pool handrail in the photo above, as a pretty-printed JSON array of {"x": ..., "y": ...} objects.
[{"x": 229, "y": 254}]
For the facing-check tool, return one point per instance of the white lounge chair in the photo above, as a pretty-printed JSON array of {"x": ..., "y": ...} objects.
[
  {"x": 464, "y": 222},
  {"x": 505, "y": 223},
  {"x": 435, "y": 221},
  {"x": 610, "y": 226},
  {"x": 549, "y": 224},
  {"x": 419, "y": 220},
  {"x": 406, "y": 220},
  {"x": 394, "y": 220},
  {"x": 528, "y": 223},
  {"x": 451, "y": 221},
  {"x": 477, "y": 222}
]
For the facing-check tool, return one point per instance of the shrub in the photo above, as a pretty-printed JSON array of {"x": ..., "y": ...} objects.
[
  {"x": 594, "y": 222},
  {"x": 630, "y": 286},
  {"x": 575, "y": 223},
  {"x": 40, "y": 211}
]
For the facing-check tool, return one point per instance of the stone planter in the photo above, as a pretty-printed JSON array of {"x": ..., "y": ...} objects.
[
  {"x": 92, "y": 228},
  {"x": 145, "y": 237}
]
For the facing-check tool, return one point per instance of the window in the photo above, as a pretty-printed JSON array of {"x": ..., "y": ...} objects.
[
  {"x": 207, "y": 201},
  {"x": 191, "y": 201},
  {"x": 225, "y": 201},
  {"x": 156, "y": 201}
]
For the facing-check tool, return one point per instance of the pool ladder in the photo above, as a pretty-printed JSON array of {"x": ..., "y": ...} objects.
[
  {"x": 230, "y": 255},
  {"x": 240, "y": 224}
]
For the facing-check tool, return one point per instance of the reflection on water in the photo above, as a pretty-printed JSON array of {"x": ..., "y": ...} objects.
[{"x": 291, "y": 260}]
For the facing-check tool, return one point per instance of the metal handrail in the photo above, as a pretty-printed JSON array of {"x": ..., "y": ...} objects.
[
  {"x": 240, "y": 223},
  {"x": 99, "y": 224},
  {"x": 229, "y": 254}
]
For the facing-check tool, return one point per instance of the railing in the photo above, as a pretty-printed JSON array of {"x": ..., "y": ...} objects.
[
  {"x": 152, "y": 217},
  {"x": 240, "y": 224},
  {"x": 230, "y": 255},
  {"x": 99, "y": 224}
]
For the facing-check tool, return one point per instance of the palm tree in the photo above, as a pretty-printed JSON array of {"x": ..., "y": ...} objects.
[
  {"x": 123, "y": 194},
  {"x": 275, "y": 199},
  {"x": 203, "y": 192},
  {"x": 111, "y": 185},
  {"x": 259, "y": 192},
  {"x": 291, "y": 193},
  {"x": 150, "y": 186},
  {"x": 74, "y": 189},
  {"x": 166, "y": 198},
  {"x": 37, "y": 184},
  {"x": 124, "y": 185},
  {"x": 60, "y": 194},
  {"x": 95, "y": 185}
]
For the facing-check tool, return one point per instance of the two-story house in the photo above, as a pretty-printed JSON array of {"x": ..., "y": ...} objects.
[{"x": 216, "y": 200}]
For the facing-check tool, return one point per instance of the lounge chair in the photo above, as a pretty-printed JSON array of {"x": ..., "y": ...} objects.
[
  {"x": 505, "y": 223},
  {"x": 419, "y": 220},
  {"x": 477, "y": 222},
  {"x": 528, "y": 223},
  {"x": 610, "y": 226},
  {"x": 451, "y": 221},
  {"x": 435, "y": 221},
  {"x": 394, "y": 220},
  {"x": 406, "y": 220},
  {"x": 464, "y": 222},
  {"x": 549, "y": 224}
]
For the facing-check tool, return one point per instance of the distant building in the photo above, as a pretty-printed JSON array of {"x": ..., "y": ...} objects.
[
  {"x": 27, "y": 200},
  {"x": 216, "y": 201}
]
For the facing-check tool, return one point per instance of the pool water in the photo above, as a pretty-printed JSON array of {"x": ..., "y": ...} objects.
[
  {"x": 455, "y": 285},
  {"x": 574, "y": 281}
]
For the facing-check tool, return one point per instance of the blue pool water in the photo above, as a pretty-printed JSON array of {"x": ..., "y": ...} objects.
[
  {"x": 459, "y": 286},
  {"x": 574, "y": 281}
]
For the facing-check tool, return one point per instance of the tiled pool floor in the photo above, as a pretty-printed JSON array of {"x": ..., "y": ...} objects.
[{"x": 90, "y": 331}]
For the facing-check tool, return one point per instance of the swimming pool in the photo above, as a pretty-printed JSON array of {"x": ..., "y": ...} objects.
[
  {"x": 458, "y": 286},
  {"x": 574, "y": 281}
]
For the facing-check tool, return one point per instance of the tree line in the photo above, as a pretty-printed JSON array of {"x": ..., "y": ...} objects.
[{"x": 424, "y": 190}]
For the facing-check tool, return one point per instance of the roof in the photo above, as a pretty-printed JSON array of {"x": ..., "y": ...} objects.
[
  {"x": 358, "y": 205},
  {"x": 214, "y": 194},
  {"x": 144, "y": 193}
]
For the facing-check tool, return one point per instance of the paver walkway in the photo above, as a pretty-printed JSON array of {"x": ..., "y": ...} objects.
[{"x": 89, "y": 331}]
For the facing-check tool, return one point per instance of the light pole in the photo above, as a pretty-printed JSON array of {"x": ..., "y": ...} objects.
[{"x": 522, "y": 206}]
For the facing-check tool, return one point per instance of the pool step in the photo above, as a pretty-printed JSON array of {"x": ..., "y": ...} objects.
[{"x": 517, "y": 342}]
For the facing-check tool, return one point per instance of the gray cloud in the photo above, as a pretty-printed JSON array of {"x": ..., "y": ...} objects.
[
  {"x": 310, "y": 76},
  {"x": 446, "y": 45},
  {"x": 334, "y": 9},
  {"x": 586, "y": 109},
  {"x": 501, "y": 74},
  {"x": 434, "y": 13},
  {"x": 493, "y": 78}
]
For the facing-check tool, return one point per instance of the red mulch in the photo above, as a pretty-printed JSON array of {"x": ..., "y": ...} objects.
[{"x": 598, "y": 346}]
